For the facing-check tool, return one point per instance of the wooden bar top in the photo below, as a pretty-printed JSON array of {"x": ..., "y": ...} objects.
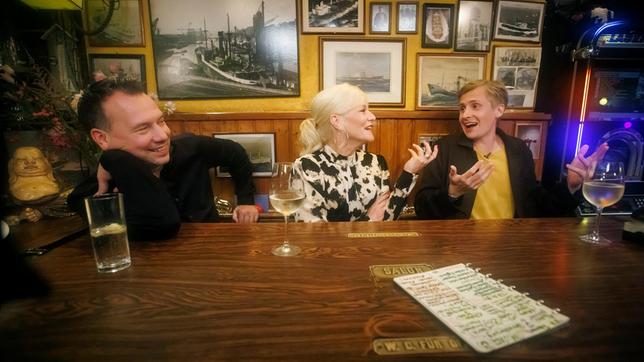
[{"x": 215, "y": 292}]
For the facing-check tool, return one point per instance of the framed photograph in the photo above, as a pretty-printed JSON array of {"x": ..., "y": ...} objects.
[
  {"x": 438, "y": 26},
  {"x": 474, "y": 25},
  {"x": 518, "y": 69},
  {"x": 407, "y": 18},
  {"x": 530, "y": 133},
  {"x": 431, "y": 138},
  {"x": 328, "y": 16},
  {"x": 260, "y": 148},
  {"x": 440, "y": 76},
  {"x": 380, "y": 18},
  {"x": 244, "y": 49},
  {"x": 519, "y": 21},
  {"x": 119, "y": 66},
  {"x": 377, "y": 66},
  {"x": 125, "y": 29}
]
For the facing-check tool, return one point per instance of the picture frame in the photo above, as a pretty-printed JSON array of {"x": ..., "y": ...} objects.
[
  {"x": 431, "y": 138},
  {"x": 260, "y": 148},
  {"x": 407, "y": 17},
  {"x": 518, "y": 68},
  {"x": 119, "y": 66},
  {"x": 530, "y": 133},
  {"x": 377, "y": 66},
  {"x": 439, "y": 76},
  {"x": 520, "y": 21},
  {"x": 438, "y": 26},
  {"x": 243, "y": 57},
  {"x": 125, "y": 28},
  {"x": 474, "y": 25},
  {"x": 316, "y": 15},
  {"x": 380, "y": 15}
]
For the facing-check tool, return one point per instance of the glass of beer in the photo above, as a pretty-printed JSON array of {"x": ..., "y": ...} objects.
[
  {"x": 286, "y": 196},
  {"x": 605, "y": 188},
  {"x": 108, "y": 231}
]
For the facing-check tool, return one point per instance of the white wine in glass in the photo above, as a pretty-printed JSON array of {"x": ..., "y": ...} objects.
[
  {"x": 604, "y": 189},
  {"x": 286, "y": 196}
]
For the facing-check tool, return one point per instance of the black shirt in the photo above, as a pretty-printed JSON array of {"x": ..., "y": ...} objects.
[{"x": 156, "y": 206}]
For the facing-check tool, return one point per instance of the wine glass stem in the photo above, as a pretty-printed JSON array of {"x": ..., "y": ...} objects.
[
  {"x": 596, "y": 228},
  {"x": 285, "y": 243}
]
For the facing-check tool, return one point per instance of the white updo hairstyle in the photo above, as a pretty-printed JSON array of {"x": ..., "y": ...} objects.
[{"x": 317, "y": 131}]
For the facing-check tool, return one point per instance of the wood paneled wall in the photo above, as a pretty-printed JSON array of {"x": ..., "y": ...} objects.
[{"x": 395, "y": 131}]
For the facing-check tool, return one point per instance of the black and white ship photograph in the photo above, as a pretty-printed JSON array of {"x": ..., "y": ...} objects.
[
  {"x": 519, "y": 21},
  {"x": 225, "y": 49},
  {"x": 333, "y": 16}
]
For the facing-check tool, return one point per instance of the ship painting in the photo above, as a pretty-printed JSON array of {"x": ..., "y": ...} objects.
[
  {"x": 442, "y": 77},
  {"x": 250, "y": 50},
  {"x": 445, "y": 93}
]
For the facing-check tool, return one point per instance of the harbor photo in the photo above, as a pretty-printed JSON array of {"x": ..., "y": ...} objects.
[{"x": 238, "y": 49}]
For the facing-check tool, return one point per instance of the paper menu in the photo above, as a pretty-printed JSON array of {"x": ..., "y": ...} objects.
[{"x": 485, "y": 313}]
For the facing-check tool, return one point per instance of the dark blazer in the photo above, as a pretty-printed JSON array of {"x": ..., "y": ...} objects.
[{"x": 530, "y": 199}]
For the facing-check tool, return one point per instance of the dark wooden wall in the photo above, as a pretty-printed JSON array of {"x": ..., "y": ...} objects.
[{"x": 395, "y": 131}]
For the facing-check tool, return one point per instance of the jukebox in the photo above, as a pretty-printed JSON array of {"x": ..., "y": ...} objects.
[{"x": 606, "y": 104}]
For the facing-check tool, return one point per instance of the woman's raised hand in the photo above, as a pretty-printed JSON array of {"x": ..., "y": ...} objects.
[{"x": 420, "y": 157}]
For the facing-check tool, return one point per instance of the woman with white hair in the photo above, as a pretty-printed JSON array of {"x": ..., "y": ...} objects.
[{"x": 341, "y": 181}]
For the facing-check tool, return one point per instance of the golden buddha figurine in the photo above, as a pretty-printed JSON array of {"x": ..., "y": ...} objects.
[{"x": 31, "y": 178}]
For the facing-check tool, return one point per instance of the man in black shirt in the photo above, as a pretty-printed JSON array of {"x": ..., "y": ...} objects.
[{"x": 164, "y": 181}]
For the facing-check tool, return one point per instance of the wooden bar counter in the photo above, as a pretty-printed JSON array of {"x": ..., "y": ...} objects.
[{"x": 216, "y": 293}]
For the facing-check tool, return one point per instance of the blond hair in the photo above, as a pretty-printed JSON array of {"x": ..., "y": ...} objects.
[
  {"x": 494, "y": 90},
  {"x": 316, "y": 131}
]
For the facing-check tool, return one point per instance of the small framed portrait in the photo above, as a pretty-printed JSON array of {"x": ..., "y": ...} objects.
[
  {"x": 407, "y": 17},
  {"x": 518, "y": 69},
  {"x": 440, "y": 76},
  {"x": 519, "y": 21},
  {"x": 125, "y": 28},
  {"x": 438, "y": 26},
  {"x": 260, "y": 148},
  {"x": 431, "y": 138},
  {"x": 377, "y": 66},
  {"x": 338, "y": 17},
  {"x": 530, "y": 133},
  {"x": 474, "y": 25},
  {"x": 121, "y": 67},
  {"x": 380, "y": 18}
]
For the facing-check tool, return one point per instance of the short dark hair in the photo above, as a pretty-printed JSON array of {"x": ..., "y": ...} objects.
[{"x": 90, "y": 107}]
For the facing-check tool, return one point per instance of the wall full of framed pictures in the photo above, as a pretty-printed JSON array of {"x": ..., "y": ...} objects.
[{"x": 275, "y": 55}]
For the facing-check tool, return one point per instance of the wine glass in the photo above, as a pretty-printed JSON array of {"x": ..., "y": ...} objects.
[
  {"x": 605, "y": 188},
  {"x": 286, "y": 196}
]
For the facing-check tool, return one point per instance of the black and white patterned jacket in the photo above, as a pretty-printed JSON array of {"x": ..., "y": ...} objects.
[{"x": 340, "y": 188}]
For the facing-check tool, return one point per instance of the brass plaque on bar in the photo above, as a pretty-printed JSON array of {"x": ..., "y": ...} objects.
[
  {"x": 414, "y": 345},
  {"x": 395, "y": 270},
  {"x": 405, "y": 234}
]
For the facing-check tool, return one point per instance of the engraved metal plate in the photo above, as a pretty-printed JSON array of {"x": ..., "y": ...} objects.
[
  {"x": 405, "y": 234},
  {"x": 437, "y": 344},
  {"x": 395, "y": 270}
]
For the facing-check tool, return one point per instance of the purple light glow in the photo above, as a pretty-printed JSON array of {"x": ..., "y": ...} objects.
[{"x": 628, "y": 125}]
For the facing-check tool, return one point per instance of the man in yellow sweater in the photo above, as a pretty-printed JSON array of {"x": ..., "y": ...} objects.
[{"x": 484, "y": 173}]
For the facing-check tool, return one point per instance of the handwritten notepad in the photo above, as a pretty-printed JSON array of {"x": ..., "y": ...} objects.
[{"x": 485, "y": 313}]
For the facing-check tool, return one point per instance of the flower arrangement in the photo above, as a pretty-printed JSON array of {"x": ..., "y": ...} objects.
[{"x": 32, "y": 100}]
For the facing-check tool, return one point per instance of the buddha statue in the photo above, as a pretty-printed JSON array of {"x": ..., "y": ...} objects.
[{"x": 31, "y": 178}]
